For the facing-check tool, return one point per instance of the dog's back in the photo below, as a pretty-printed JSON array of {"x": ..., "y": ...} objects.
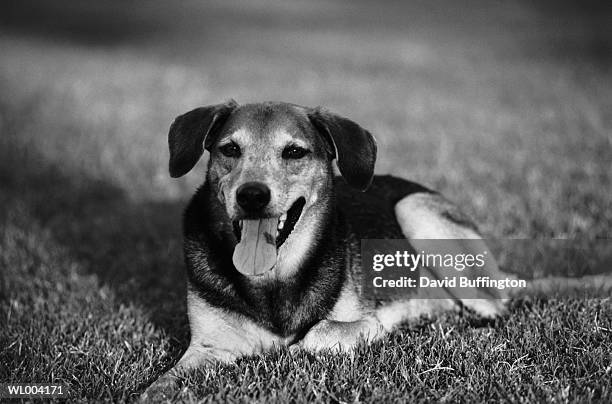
[{"x": 371, "y": 214}]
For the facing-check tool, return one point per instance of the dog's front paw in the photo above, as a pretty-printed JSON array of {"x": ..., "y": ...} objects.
[
  {"x": 320, "y": 337},
  {"x": 339, "y": 336},
  {"x": 162, "y": 390},
  {"x": 487, "y": 309}
]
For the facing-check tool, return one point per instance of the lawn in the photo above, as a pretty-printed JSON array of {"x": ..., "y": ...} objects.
[{"x": 504, "y": 108}]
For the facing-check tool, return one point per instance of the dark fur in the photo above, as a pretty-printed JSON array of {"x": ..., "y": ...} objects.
[
  {"x": 189, "y": 135},
  {"x": 352, "y": 145},
  {"x": 283, "y": 308}
]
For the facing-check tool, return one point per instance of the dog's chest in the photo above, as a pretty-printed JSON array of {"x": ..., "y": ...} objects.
[
  {"x": 290, "y": 308},
  {"x": 280, "y": 310}
]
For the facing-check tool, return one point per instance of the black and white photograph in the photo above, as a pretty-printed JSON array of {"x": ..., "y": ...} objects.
[{"x": 326, "y": 201}]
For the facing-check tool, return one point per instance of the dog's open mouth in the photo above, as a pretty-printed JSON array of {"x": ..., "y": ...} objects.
[{"x": 259, "y": 239}]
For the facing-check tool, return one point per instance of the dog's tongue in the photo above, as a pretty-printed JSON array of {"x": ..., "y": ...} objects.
[{"x": 255, "y": 254}]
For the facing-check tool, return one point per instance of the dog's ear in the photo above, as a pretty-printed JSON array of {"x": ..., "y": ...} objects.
[
  {"x": 353, "y": 147},
  {"x": 192, "y": 131}
]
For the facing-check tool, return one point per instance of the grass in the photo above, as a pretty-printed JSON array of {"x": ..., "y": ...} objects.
[{"x": 505, "y": 108}]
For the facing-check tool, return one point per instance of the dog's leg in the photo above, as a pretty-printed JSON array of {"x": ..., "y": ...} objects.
[
  {"x": 425, "y": 216},
  {"x": 196, "y": 356},
  {"x": 217, "y": 336},
  {"x": 340, "y": 336},
  {"x": 396, "y": 313}
]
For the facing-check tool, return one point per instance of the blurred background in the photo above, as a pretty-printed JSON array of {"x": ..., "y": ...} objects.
[
  {"x": 503, "y": 106},
  {"x": 506, "y": 107}
]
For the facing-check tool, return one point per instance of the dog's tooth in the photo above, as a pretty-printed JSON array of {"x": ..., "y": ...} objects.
[{"x": 283, "y": 218}]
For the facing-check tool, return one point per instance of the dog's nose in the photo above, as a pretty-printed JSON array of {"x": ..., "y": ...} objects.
[{"x": 253, "y": 196}]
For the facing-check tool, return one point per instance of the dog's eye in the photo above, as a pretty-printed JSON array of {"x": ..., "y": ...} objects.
[
  {"x": 294, "y": 152},
  {"x": 230, "y": 150}
]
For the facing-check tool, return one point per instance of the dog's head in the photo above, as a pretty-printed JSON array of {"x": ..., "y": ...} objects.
[{"x": 271, "y": 168}]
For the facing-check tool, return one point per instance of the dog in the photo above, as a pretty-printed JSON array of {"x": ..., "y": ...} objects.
[{"x": 272, "y": 237}]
